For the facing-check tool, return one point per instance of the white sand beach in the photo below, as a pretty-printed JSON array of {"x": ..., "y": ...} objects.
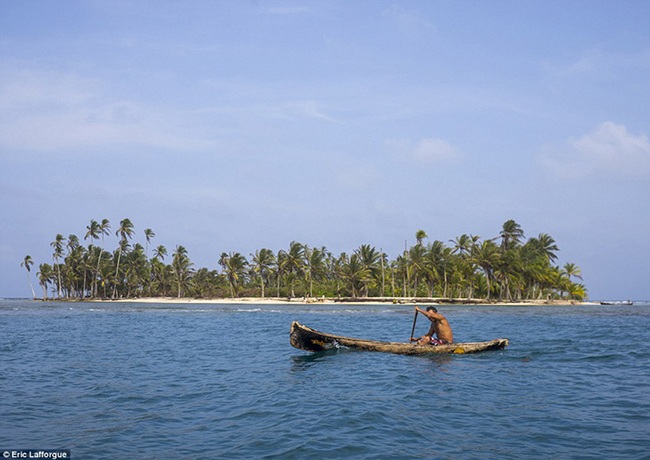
[{"x": 365, "y": 301}]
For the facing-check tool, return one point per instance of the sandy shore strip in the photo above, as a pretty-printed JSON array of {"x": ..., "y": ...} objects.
[{"x": 353, "y": 301}]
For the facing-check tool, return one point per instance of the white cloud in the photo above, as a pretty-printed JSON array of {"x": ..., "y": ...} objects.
[
  {"x": 46, "y": 111},
  {"x": 428, "y": 150},
  {"x": 308, "y": 109},
  {"x": 596, "y": 63},
  {"x": 609, "y": 150}
]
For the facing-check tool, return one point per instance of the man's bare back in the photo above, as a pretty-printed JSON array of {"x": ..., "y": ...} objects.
[{"x": 439, "y": 326}]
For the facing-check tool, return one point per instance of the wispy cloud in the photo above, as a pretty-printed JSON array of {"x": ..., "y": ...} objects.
[
  {"x": 46, "y": 111},
  {"x": 609, "y": 150},
  {"x": 596, "y": 63},
  {"x": 23, "y": 90},
  {"x": 427, "y": 151},
  {"x": 307, "y": 108}
]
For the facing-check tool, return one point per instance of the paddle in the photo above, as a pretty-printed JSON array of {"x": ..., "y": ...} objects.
[{"x": 415, "y": 318}]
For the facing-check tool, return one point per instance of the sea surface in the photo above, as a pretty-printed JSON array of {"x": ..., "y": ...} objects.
[{"x": 210, "y": 381}]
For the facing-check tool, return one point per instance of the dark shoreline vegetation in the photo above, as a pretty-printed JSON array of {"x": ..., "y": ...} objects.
[{"x": 505, "y": 268}]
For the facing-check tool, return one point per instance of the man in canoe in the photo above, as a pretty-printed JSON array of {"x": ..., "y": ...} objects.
[{"x": 439, "y": 326}]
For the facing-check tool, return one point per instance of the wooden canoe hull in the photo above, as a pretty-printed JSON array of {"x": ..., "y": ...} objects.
[{"x": 306, "y": 338}]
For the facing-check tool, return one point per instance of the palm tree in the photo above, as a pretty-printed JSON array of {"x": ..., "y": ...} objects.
[
  {"x": 314, "y": 266},
  {"x": 160, "y": 252},
  {"x": 545, "y": 246},
  {"x": 73, "y": 243},
  {"x": 508, "y": 271},
  {"x": 400, "y": 268},
  {"x": 293, "y": 262},
  {"x": 234, "y": 266},
  {"x": 149, "y": 235},
  {"x": 74, "y": 267},
  {"x": 45, "y": 274},
  {"x": 159, "y": 279},
  {"x": 136, "y": 271},
  {"x": 182, "y": 268},
  {"x": 578, "y": 291},
  {"x": 106, "y": 274},
  {"x": 462, "y": 244},
  {"x": 534, "y": 268},
  {"x": 104, "y": 229},
  {"x": 416, "y": 265},
  {"x": 27, "y": 263},
  {"x": 92, "y": 231},
  {"x": 383, "y": 260},
  {"x": 436, "y": 265},
  {"x": 125, "y": 232},
  {"x": 57, "y": 244},
  {"x": 420, "y": 235},
  {"x": 204, "y": 282},
  {"x": 445, "y": 263},
  {"x": 511, "y": 234},
  {"x": 92, "y": 257},
  {"x": 263, "y": 261},
  {"x": 572, "y": 270},
  {"x": 486, "y": 256},
  {"x": 371, "y": 260},
  {"x": 279, "y": 270},
  {"x": 354, "y": 273},
  {"x": 464, "y": 270}
]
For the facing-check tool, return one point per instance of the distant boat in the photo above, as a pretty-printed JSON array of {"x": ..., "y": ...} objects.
[{"x": 617, "y": 302}]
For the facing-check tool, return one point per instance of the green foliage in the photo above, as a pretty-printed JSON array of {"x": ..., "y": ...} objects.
[{"x": 513, "y": 269}]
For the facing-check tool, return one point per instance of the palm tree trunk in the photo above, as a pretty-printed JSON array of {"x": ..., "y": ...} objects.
[
  {"x": 99, "y": 259},
  {"x": 487, "y": 281},
  {"x": 117, "y": 270},
  {"x": 31, "y": 286},
  {"x": 383, "y": 279},
  {"x": 58, "y": 274},
  {"x": 444, "y": 293}
]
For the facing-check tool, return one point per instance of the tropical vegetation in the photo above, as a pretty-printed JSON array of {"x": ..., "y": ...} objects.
[{"x": 507, "y": 267}]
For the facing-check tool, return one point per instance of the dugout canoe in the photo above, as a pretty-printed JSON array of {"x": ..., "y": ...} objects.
[{"x": 306, "y": 338}]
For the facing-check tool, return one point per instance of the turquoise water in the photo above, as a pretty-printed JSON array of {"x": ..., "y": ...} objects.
[{"x": 129, "y": 380}]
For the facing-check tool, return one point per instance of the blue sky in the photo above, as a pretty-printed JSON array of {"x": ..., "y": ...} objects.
[{"x": 234, "y": 126}]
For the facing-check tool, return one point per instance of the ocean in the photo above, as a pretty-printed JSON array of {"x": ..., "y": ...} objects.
[{"x": 211, "y": 381}]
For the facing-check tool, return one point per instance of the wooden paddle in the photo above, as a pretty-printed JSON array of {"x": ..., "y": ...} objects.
[{"x": 415, "y": 318}]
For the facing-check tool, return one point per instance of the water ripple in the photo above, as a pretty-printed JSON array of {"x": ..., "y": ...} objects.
[{"x": 141, "y": 381}]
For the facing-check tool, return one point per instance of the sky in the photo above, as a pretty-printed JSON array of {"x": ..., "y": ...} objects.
[{"x": 231, "y": 126}]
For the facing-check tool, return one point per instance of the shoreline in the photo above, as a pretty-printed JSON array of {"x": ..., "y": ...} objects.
[{"x": 347, "y": 301}]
